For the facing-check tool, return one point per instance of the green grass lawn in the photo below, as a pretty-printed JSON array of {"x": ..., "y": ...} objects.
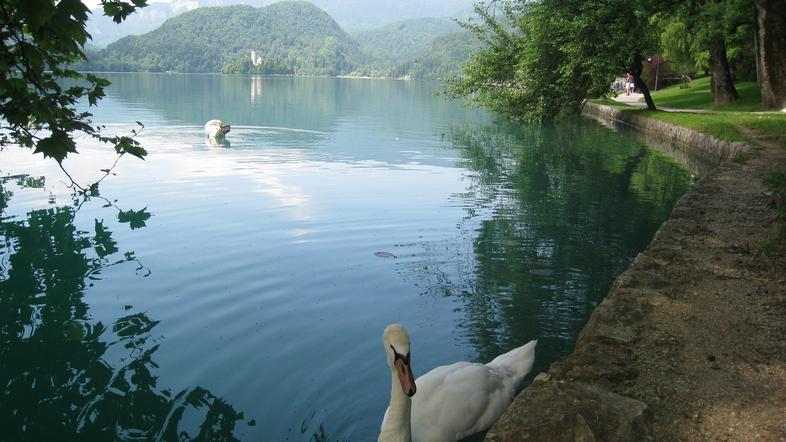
[
  {"x": 730, "y": 126},
  {"x": 738, "y": 122},
  {"x": 698, "y": 96},
  {"x": 734, "y": 124},
  {"x": 611, "y": 103}
]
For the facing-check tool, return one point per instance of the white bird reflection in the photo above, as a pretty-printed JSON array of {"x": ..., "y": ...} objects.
[
  {"x": 256, "y": 88},
  {"x": 212, "y": 142}
]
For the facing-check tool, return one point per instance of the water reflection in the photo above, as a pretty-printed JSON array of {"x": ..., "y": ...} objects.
[
  {"x": 551, "y": 221},
  {"x": 262, "y": 255},
  {"x": 316, "y": 104},
  {"x": 221, "y": 142},
  {"x": 699, "y": 163},
  {"x": 256, "y": 88},
  {"x": 64, "y": 375}
]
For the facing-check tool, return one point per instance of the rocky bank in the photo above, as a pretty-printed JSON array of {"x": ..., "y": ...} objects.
[{"x": 690, "y": 342}]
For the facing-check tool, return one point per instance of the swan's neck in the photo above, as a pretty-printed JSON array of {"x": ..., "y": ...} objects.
[{"x": 396, "y": 426}]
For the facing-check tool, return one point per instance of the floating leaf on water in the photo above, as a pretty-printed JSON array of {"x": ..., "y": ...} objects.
[{"x": 384, "y": 255}]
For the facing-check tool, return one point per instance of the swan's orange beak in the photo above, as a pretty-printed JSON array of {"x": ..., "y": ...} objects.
[{"x": 404, "y": 373}]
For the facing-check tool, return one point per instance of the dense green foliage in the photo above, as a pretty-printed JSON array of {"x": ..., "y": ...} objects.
[
  {"x": 41, "y": 39},
  {"x": 545, "y": 56},
  {"x": 714, "y": 36},
  {"x": 291, "y": 38},
  {"x": 688, "y": 30},
  {"x": 551, "y": 55}
]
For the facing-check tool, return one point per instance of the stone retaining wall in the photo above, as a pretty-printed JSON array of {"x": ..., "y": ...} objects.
[{"x": 694, "y": 142}]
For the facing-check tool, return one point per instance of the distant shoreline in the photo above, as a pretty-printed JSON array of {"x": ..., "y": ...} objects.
[{"x": 355, "y": 77}]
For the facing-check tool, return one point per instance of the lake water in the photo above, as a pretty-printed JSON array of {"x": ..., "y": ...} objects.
[{"x": 240, "y": 291}]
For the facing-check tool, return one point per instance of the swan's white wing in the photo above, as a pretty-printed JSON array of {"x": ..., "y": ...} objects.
[{"x": 455, "y": 401}]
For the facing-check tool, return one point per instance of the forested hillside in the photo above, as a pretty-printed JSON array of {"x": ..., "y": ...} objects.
[
  {"x": 289, "y": 38},
  {"x": 352, "y": 15},
  {"x": 420, "y": 49},
  {"x": 399, "y": 42},
  {"x": 292, "y": 37},
  {"x": 442, "y": 59}
]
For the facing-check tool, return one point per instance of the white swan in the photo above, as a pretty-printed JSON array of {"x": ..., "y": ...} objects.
[
  {"x": 453, "y": 401},
  {"x": 216, "y": 129}
]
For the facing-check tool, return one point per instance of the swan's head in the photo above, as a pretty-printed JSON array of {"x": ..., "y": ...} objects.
[
  {"x": 217, "y": 128},
  {"x": 396, "y": 341}
]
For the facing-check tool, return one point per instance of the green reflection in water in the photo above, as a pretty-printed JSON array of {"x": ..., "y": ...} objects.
[
  {"x": 554, "y": 213},
  {"x": 57, "y": 378}
]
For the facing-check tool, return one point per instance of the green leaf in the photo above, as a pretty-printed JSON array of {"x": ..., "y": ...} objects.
[
  {"x": 130, "y": 146},
  {"x": 35, "y": 12},
  {"x": 73, "y": 8},
  {"x": 57, "y": 146},
  {"x": 118, "y": 10}
]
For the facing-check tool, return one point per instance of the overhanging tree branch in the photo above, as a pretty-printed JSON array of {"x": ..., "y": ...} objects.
[{"x": 41, "y": 39}]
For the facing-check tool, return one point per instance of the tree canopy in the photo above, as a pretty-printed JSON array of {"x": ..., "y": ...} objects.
[
  {"x": 41, "y": 40},
  {"x": 544, "y": 56}
]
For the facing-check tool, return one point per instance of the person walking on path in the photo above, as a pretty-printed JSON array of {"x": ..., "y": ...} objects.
[{"x": 628, "y": 83}]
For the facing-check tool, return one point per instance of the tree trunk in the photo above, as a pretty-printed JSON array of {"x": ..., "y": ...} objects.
[
  {"x": 771, "y": 27},
  {"x": 646, "y": 91},
  {"x": 635, "y": 70},
  {"x": 757, "y": 45},
  {"x": 722, "y": 85}
]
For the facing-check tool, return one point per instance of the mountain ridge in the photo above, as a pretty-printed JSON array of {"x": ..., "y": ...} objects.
[
  {"x": 290, "y": 37},
  {"x": 351, "y": 15}
]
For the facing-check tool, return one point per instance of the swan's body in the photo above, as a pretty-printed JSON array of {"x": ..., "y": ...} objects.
[
  {"x": 458, "y": 400},
  {"x": 216, "y": 129}
]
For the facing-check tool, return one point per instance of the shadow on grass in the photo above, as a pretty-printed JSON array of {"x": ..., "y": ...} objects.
[{"x": 698, "y": 96}]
